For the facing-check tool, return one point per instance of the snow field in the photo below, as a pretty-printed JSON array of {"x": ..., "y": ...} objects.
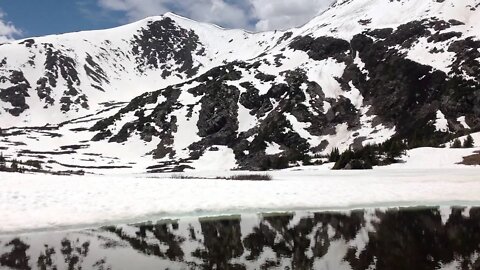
[{"x": 38, "y": 202}]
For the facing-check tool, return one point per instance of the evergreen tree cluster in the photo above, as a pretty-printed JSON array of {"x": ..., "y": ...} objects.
[
  {"x": 14, "y": 165},
  {"x": 17, "y": 166},
  {"x": 2, "y": 162},
  {"x": 334, "y": 155},
  {"x": 467, "y": 143},
  {"x": 368, "y": 156}
]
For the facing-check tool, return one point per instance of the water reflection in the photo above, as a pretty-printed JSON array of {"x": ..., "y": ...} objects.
[{"x": 429, "y": 238}]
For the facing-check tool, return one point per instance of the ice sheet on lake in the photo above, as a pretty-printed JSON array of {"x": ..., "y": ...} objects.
[{"x": 30, "y": 202}]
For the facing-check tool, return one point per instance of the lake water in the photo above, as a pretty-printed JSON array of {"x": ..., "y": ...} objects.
[{"x": 407, "y": 238}]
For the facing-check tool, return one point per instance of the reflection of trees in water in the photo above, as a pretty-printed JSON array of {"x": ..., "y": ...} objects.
[
  {"x": 222, "y": 242},
  {"x": 17, "y": 258},
  {"x": 302, "y": 242},
  {"x": 45, "y": 260},
  {"x": 73, "y": 252},
  {"x": 418, "y": 240},
  {"x": 164, "y": 233},
  {"x": 402, "y": 239}
]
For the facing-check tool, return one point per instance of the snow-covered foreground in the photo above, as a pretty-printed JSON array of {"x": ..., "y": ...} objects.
[{"x": 38, "y": 202}]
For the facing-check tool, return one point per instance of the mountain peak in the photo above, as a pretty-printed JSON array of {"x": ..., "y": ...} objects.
[
  {"x": 175, "y": 15},
  {"x": 192, "y": 23},
  {"x": 345, "y": 18}
]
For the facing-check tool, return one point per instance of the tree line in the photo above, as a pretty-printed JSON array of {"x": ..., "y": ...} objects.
[{"x": 382, "y": 154}]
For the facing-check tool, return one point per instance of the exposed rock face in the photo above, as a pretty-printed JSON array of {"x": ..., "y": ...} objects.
[
  {"x": 162, "y": 41},
  {"x": 16, "y": 93},
  {"x": 322, "y": 48},
  {"x": 59, "y": 66},
  {"x": 408, "y": 94}
]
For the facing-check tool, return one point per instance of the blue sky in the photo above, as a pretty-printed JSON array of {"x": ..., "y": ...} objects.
[
  {"x": 25, "y": 18},
  {"x": 42, "y": 17}
]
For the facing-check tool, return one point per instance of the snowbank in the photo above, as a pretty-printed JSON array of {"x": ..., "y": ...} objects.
[
  {"x": 37, "y": 202},
  {"x": 434, "y": 158}
]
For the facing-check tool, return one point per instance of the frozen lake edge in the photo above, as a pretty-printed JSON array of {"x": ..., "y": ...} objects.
[{"x": 40, "y": 202}]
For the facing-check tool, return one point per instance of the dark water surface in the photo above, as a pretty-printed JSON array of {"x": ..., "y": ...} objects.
[{"x": 413, "y": 238}]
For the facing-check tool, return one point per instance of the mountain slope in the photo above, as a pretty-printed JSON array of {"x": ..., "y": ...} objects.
[
  {"x": 362, "y": 72},
  {"x": 64, "y": 76}
]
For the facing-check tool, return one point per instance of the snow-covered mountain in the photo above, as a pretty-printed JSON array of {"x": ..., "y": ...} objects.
[
  {"x": 54, "y": 78},
  {"x": 360, "y": 73}
]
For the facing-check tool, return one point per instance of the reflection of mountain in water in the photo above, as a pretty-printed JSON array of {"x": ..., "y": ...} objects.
[{"x": 374, "y": 239}]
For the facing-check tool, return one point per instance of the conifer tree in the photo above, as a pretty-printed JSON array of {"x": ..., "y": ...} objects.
[
  {"x": 344, "y": 159},
  {"x": 2, "y": 162},
  {"x": 334, "y": 155},
  {"x": 14, "y": 166},
  {"x": 456, "y": 144},
  {"x": 468, "y": 143}
]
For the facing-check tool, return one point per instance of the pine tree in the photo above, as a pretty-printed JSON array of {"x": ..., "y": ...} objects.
[
  {"x": 344, "y": 159},
  {"x": 368, "y": 154},
  {"x": 395, "y": 150},
  {"x": 2, "y": 162},
  {"x": 414, "y": 141},
  {"x": 468, "y": 143},
  {"x": 14, "y": 166},
  {"x": 307, "y": 160},
  {"x": 456, "y": 144},
  {"x": 334, "y": 155}
]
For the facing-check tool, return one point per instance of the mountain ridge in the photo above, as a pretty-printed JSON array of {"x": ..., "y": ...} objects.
[{"x": 117, "y": 54}]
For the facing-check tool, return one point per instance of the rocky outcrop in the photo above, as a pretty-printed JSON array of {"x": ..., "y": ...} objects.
[
  {"x": 15, "y": 94},
  {"x": 408, "y": 94},
  {"x": 163, "y": 41}
]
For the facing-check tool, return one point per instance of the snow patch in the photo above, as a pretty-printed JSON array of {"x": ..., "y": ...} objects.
[
  {"x": 221, "y": 159},
  {"x": 441, "y": 123},
  {"x": 462, "y": 121},
  {"x": 273, "y": 149}
]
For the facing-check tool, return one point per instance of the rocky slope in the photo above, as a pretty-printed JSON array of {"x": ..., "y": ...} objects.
[
  {"x": 71, "y": 74},
  {"x": 362, "y": 72}
]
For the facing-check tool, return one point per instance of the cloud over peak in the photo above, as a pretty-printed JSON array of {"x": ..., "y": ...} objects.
[
  {"x": 8, "y": 31},
  {"x": 281, "y": 14},
  {"x": 249, "y": 14}
]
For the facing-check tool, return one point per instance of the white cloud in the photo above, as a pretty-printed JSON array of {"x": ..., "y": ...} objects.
[
  {"x": 135, "y": 9},
  {"x": 8, "y": 31},
  {"x": 212, "y": 11},
  {"x": 250, "y": 14},
  {"x": 282, "y": 14},
  {"x": 218, "y": 12}
]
